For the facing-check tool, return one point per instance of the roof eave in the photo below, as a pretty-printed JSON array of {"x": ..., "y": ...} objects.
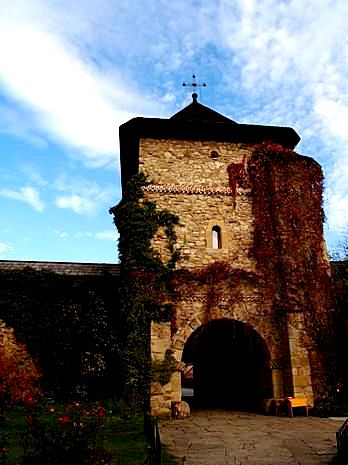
[{"x": 157, "y": 128}]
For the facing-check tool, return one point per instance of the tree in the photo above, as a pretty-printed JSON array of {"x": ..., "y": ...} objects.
[
  {"x": 19, "y": 376},
  {"x": 68, "y": 326},
  {"x": 340, "y": 275}
]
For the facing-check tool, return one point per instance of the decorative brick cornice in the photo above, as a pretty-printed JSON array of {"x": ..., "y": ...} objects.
[
  {"x": 192, "y": 189},
  {"x": 189, "y": 298},
  {"x": 186, "y": 298}
]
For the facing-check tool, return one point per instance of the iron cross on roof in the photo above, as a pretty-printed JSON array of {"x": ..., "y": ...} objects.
[{"x": 194, "y": 86}]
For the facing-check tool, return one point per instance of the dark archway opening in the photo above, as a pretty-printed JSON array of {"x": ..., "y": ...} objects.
[{"x": 231, "y": 366}]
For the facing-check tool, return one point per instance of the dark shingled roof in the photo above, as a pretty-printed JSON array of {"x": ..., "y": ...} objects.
[
  {"x": 198, "y": 112},
  {"x": 66, "y": 268},
  {"x": 194, "y": 122}
]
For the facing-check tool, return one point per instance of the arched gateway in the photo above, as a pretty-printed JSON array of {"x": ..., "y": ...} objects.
[
  {"x": 252, "y": 283},
  {"x": 230, "y": 365}
]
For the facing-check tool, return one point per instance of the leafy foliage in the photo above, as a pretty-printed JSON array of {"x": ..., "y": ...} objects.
[
  {"x": 68, "y": 326},
  {"x": 219, "y": 279},
  {"x": 162, "y": 370},
  {"x": 237, "y": 176},
  {"x": 340, "y": 276},
  {"x": 77, "y": 433},
  {"x": 288, "y": 246},
  {"x": 19, "y": 377},
  {"x": 69, "y": 434},
  {"x": 145, "y": 291}
]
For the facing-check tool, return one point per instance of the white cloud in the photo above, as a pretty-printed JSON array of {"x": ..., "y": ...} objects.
[
  {"x": 76, "y": 101},
  {"x": 5, "y": 248},
  {"x": 335, "y": 113},
  {"x": 70, "y": 100},
  {"x": 76, "y": 203},
  {"x": 33, "y": 174},
  {"x": 78, "y": 72},
  {"x": 337, "y": 211},
  {"x": 72, "y": 70},
  {"x": 109, "y": 235},
  {"x": 292, "y": 61},
  {"x": 82, "y": 196},
  {"x": 15, "y": 121},
  {"x": 26, "y": 194},
  {"x": 61, "y": 234},
  {"x": 84, "y": 234}
]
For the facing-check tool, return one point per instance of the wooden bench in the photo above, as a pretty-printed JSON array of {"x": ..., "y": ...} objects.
[{"x": 295, "y": 402}]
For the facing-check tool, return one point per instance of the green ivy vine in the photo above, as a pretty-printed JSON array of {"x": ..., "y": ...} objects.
[
  {"x": 161, "y": 370},
  {"x": 146, "y": 293}
]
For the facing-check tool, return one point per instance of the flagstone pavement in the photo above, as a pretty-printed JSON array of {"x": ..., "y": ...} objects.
[{"x": 217, "y": 437}]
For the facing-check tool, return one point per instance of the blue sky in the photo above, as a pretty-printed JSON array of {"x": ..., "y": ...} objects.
[{"x": 72, "y": 71}]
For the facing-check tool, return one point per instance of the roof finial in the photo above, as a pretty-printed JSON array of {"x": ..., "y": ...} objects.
[{"x": 194, "y": 85}]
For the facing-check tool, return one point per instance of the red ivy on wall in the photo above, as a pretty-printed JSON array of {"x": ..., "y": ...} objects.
[
  {"x": 287, "y": 202},
  {"x": 237, "y": 176},
  {"x": 218, "y": 280},
  {"x": 287, "y": 197},
  {"x": 19, "y": 376}
]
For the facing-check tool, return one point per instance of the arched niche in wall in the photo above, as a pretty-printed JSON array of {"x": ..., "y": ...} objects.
[{"x": 216, "y": 235}]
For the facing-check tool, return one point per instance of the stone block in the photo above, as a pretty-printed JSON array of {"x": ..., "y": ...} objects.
[
  {"x": 156, "y": 388},
  {"x": 194, "y": 324},
  {"x": 161, "y": 411},
  {"x": 300, "y": 381},
  {"x": 176, "y": 381},
  {"x": 176, "y": 396},
  {"x": 179, "y": 344}
]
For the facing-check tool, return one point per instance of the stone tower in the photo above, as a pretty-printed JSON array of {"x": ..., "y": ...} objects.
[{"x": 240, "y": 333}]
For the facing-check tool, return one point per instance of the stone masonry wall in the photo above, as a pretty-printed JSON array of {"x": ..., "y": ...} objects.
[
  {"x": 301, "y": 371},
  {"x": 187, "y": 181},
  {"x": 178, "y": 169}
]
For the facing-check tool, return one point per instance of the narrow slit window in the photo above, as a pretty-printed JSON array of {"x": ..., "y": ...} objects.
[{"x": 216, "y": 237}]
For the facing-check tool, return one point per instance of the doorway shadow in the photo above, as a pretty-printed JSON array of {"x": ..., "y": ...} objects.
[{"x": 230, "y": 367}]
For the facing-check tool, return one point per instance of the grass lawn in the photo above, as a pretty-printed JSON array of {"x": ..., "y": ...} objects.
[{"x": 123, "y": 440}]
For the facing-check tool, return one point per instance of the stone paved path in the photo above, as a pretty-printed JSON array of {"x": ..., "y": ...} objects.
[{"x": 237, "y": 438}]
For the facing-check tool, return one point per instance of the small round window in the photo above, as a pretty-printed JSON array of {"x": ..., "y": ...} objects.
[{"x": 214, "y": 155}]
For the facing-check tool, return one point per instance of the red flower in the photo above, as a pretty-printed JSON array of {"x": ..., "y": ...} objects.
[
  {"x": 69, "y": 406},
  {"x": 64, "y": 419},
  {"x": 101, "y": 414}
]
